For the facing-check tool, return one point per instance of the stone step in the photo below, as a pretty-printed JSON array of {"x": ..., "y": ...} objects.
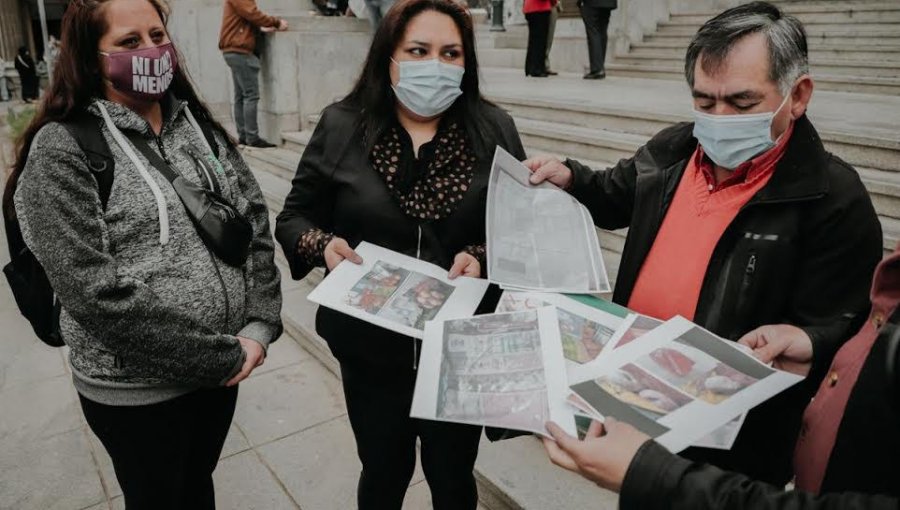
[
  {"x": 884, "y": 14},
  {"x": 846, "y": 83},
  {"x": 836, "y": 33},
  {"x": 679, "y": 25},
  {"x": 818, "y": 65},
  {"x": 818, "y": 53},
  {"x": 515, "y": 58}
]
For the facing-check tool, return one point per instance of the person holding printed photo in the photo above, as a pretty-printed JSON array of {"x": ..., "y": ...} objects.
[{"x": 402, "y": 162}]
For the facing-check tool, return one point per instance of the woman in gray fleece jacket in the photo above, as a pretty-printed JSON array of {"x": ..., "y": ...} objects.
[{"x": 160, "y": 329}]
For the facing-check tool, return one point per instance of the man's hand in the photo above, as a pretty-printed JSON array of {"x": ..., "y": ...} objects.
[
  {"x": 255, "y": 356},
  {"x": 465, "y": 265},
  {"x": 601, "y": 458},
  {"x": 787, "y": 347},
  {"x": 337, "y": 250},
  {"x": 548, "y": 168},
  {"x": 282, "y": 25}
]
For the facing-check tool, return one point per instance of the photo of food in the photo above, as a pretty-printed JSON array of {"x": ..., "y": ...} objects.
[
  {"x": 640, "y": 327},
  {"x": 373, "y": 291},
  {"x": 400, "y": 295},
  {"x": 647, "y": 394},
  {"x": 697, "y": 373}
]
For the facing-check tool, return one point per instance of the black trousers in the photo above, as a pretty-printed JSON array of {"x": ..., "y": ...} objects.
[
  {"x": 164, "y": 454},
  {"x": 378, "y": 404},
  {"x": 596, "y": 21},
  {"x": 538, "y": 31}
]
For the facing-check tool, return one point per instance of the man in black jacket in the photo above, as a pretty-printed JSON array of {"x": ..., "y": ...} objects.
[
  {"x": 846, "y": 457},
  {"x": 802, "y": 239}
]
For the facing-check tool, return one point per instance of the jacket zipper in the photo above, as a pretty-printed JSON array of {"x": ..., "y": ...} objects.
[{"x": 418, "y": 256}]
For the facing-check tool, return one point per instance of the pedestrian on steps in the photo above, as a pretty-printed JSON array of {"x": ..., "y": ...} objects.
[
  {"x": 537, "y": 13},
  {"x": 402, "y": 162},
  {"x": 161, "y": 323},
  {"x": 243, "y": 25},
  {"x": 595, "y": 14}
]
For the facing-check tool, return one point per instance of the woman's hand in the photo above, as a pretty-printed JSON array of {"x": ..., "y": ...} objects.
[
  {"x": 601, "y": 458},
  {"x": 787, "y": 347},
  {"x": 337, "y": 250},
  {"x": 465, "y": 265},
  {"x": 255, "y": 356},
  {"x": 548, "y": 168}
]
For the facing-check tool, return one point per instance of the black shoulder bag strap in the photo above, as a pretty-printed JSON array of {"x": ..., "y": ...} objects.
[{"x": 86, "y": 130}]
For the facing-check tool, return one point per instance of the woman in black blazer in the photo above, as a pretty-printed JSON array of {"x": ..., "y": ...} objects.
[{"x": 402, "y": 162}]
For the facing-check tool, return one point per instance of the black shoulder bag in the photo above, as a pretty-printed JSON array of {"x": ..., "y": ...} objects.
[{"x": 221, "y": 227}]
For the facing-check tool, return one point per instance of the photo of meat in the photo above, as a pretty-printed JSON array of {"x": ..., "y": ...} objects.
[
  {"x": 695, "y": 372},
  {"x": 639, "y": 389},
  {"x": 640, "y": 327}
]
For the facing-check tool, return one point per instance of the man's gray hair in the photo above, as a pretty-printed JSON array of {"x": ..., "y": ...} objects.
[{"x": 788, "y": 55}]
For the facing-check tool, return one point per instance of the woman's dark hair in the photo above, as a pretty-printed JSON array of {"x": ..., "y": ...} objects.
[
  {"x": 77, "y": 81},
  {"x": 373, "y": 94}
]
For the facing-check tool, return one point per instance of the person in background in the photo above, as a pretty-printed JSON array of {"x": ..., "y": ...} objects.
[
  {"x": 742, "y": 217},
  {"x": 28, "y": 78},
  {"x": 551, "y": 32},
  {"x": 402, "y": 162},
  {"x": 377, "y": 10},
  {"x": 4, "y": 87},
  {"x": 595, "y": 14},
  {"x": 846, "y": 457},
  {"x": 160, "y": 329},
  {"x": 242, "y": 23},
  {"x": 537, "y": 13}
]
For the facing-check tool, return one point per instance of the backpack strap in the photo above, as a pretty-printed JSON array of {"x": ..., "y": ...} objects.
[
  {"x": 207, "y": 129},
  {"x": 86, "y": 130}
]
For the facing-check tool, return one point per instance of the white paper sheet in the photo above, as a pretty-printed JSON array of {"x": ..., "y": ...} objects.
[
  {"x": 585, "y": 331},
  {"x": 681, "y": 382},
  {"x": 397, "y": 292},
  {"x": 499, "y": 370},
  {"x": 539, "y": 237}
]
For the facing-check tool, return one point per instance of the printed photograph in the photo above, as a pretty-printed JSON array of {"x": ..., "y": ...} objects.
[
  {"x": 406, "y": 297},
  {"x": 419, "y": 301},
  {"x": 649, "y": 395},
  {"x": 373, "y": 291},
  {"x": 492, "y": 369},
  {"x": 697, "y": 373},
  {"x": 640, "y": 327},
  {"x": 582, "y": 339}
]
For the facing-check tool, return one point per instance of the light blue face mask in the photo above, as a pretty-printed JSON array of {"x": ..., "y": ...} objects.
[
  {"x": 428, "y": 87},
  {"x": 730, "y": 140}
]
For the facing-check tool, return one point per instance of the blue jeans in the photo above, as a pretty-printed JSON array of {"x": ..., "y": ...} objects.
[
  {"x": 245, "y": 74},
  {"x": 377, "y": 10}
]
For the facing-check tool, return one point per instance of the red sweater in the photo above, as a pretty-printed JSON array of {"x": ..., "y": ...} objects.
[
  {"x": 531, "y": 6},
  {"x": 672, "y": 275}
]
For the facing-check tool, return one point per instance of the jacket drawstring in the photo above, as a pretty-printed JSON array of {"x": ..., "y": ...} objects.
[{"x": 161, "y": 205}]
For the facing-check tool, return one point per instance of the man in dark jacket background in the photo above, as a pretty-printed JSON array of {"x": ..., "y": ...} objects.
[
  {"x": 242, "y": 22},
  {"x": 595, "y": 14},
  {"x": 741, "y": 218}
]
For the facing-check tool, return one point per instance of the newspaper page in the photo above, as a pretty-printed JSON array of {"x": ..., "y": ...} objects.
[
  {"x": 397, "y": 292},
  {"x": 681, "y": 382},
  {"x": 500, "y": 370},
  {"x": 539, "y": 237},
  {"x": 585, "y": 331}
]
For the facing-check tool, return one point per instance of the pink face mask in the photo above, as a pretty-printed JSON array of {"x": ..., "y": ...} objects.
[{"x": 145, "y": 73}]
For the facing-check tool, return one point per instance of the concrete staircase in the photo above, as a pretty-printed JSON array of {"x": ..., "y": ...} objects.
[{"x": 854, "y": 46}]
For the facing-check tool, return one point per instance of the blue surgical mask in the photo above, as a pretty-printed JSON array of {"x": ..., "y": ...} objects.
[
  {"x": 730, "y": 140},
  {"x": 428, "y": 87}
]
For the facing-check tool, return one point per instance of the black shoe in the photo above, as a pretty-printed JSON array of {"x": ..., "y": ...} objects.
[
  {"x": 242, "y": 141},
  {"x": 541, "y": 75},
  {"x": 262, "y": 144},
  {"x": 552, "y": 73},
  {"x": 599, "y": 75}
]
